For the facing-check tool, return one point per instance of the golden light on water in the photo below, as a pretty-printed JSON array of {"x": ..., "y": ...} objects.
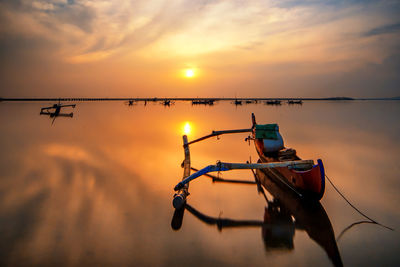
[{"x": 187, "y": 128}]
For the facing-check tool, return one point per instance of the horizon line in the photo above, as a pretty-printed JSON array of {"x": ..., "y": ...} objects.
[{"x": 88, "y": 99}]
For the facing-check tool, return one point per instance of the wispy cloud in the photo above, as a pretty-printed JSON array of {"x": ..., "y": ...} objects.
[
  {"x": 385, "y": 29},
  {"x": 86, "y": 27},
  {"x": 185, "y": 27},
  {"x": 219, "y": 34}
]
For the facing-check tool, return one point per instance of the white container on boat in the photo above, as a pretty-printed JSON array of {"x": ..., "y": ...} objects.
[
  {"x": 271, "y": 137},
  {"x": 271, "y": 145}
]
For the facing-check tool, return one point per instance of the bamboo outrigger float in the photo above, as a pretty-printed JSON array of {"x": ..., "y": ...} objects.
[{"x": 303, "y": 177}]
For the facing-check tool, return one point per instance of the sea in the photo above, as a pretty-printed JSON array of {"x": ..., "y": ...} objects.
[{"x": 96, "y": 189}]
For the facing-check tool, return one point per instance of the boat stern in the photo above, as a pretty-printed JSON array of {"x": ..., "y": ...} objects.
[{"x": 314, "y": 180}]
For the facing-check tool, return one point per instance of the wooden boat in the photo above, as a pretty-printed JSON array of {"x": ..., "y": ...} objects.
[
  {"x": 292, "y": 102},
  {"x": 237, "y": 102},
  {"x": 209, "y": 102},
  {"x": 308, "y": 181},
  {"x": 303, "y": 177},
  {"x": 296, "y": 186},
  {"x": 273, "y": 102},
  {"x": 55, "y": 111}
]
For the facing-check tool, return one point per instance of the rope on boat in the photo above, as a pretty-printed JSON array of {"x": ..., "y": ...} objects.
[{"x": 356, "y": 209}]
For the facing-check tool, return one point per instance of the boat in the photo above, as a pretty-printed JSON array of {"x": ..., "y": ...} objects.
[
  {"x": 54, "y": 111},
  {"x": 303, "y": 177},
  {"x": 237, "y": 102},
  {"x": 296, "y": 186},
  {"x": 167, "y": 102},
  {"x": 292, "y": 102},
  {"x": 131, "y": 102},
  {"x": 209, "y": 102},
  {"x": 273, "y": 102}
]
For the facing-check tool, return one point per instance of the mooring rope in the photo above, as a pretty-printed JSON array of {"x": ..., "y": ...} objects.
[
  {"x": 351, "y": 226},
  {"x": 355, "y": 208}
]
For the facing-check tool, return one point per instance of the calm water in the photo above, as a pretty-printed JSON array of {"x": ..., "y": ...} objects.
[{"x": 97, "y": 189}]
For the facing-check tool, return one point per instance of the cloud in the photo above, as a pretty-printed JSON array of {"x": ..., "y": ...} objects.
[
  {"x": 130, "y": 36},
  {"x": 184, "y": 27},
  {"x": 385, "y": 29}
]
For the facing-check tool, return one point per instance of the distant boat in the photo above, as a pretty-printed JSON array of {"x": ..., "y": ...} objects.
[
  {"x": 238, "y": 102},
  {"x": 55, "y": 111},
  {"x": 273, "y": 102},
  {"x": 291, "y": 102},
  {"x": 209, "y": 102},
  {"x": 131, "y": 102},
  {"x": 167, "y": 102}
]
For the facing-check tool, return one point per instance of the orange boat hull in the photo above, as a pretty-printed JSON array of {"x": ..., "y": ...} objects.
[{"x": 310, "y": 183}]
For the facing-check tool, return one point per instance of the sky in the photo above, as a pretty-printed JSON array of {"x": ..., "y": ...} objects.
[{"x": 253, "y": 48}]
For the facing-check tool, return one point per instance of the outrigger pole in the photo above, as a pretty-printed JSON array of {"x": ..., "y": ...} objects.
[
  {"x": 223, "y": 166},
  {"x": 217, "y": 133},
  {"x": 183, "y": 191}
]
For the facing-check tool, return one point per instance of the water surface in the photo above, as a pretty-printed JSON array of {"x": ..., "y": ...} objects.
[{"x": 96, "y": 189}]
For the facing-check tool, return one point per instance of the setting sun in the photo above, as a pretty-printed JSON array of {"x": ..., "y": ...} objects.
[{"x": 189, "y": 73}]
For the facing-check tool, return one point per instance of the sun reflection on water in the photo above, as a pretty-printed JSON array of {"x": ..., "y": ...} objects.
[{"x": 187, "y": 128}]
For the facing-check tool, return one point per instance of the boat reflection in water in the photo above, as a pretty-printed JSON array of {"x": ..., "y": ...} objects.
[{"x": 284, "y": 214}]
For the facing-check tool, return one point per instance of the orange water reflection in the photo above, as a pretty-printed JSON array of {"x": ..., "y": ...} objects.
[{"x": 97, "y": 189}]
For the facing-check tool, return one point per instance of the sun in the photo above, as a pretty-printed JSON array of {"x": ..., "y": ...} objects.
[{"x": 189, "y": 73}]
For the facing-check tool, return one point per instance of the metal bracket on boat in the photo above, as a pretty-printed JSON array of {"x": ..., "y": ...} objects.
[
  {"x": 248, "y": 139},
  {"x": 223, "y": 166}
]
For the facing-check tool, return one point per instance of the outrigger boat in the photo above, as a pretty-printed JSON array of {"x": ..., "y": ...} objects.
[
  {"x": 295, "y": 185},
  {"x": 55, "y": 111},
  {"x": 303, "y": 177}
]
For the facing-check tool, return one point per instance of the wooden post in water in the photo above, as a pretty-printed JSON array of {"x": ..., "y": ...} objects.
[
  {"x": 180, "y": 196},
  {"x": 179, "y": 200}
]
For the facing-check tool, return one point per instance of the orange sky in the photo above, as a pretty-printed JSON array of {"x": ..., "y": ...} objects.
[{"x": 238, "y": 48}]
